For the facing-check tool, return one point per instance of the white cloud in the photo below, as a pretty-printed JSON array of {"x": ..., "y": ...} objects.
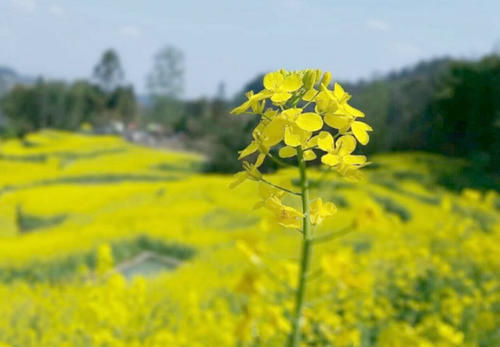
[
  {"x": 56, "y": 10},
  {"x": 24, "y": 5},
  {"x": 377, "y": 24},
  {"x": 130, "y": 31}
]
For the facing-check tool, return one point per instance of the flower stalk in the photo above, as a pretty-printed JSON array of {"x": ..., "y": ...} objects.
[{"x": 296, "y": 335}]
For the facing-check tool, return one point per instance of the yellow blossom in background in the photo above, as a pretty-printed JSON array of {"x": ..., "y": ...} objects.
[
  {"x": 267, "y": 192},
  {"x": 105, "y": 260},
  {"x": 286, "y": 216},
  {"x": 320, "y": 210}
]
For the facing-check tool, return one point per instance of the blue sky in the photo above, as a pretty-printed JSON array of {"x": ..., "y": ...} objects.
[{"x": 232, "y": 41}]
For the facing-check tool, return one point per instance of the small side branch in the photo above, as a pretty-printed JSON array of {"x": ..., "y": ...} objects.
[
  {"x": 279, "y": 187},
  {"x": 277, "y": 161}
]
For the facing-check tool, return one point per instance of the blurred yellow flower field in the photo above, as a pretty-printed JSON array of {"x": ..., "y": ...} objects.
[{"x": 106, "y": 243}]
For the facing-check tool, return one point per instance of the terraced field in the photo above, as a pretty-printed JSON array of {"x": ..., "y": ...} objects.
[{"x": 105, "y": 243}]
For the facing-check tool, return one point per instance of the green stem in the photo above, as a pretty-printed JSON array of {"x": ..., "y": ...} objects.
[
  {"x": 277, "y": 161},
  {"x": 279, "y": 187},
  {"x": 296, "y": 335}
]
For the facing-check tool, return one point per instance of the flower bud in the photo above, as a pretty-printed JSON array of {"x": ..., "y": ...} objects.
[
  {"x": 258, "y": 108},
  {"x": 327, "y": 77},
  {"x": 309, "y": 79},
  {"x": 318, "y": 75}
]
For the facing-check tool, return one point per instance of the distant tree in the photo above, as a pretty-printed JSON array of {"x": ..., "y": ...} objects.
[
  {"x": 87, "y": 104},
  {"x": 3, "y": 85},
  {"x": 123, "y": 102},
  {"x": 467, "y": 111},
  {"x": 399, "y": 106},
  {"x": 53, "y": 104},
  {"x": 108, "y": 72},
  {"x": 165, "y": 83},
  {"x": 8, "y": 77},
  {"x": 221, "y": 91},
  {"x": 52, "y": 101},
  {"x": 167, "y": 76},
  {"x": 20, "y": 108}
]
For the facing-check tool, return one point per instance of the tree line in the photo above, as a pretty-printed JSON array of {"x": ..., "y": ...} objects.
[{"x": 99, "y": 100}]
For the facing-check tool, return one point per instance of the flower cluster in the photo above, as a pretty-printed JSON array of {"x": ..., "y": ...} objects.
[{"x": 293, "y": 109}]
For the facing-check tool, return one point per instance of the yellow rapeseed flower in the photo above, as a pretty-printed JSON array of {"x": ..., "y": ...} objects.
[
  {"x": 339, "y": 154},
  {"x": 320, "y": 210},
  {"x": 286, "y": 216},
  {"x": 281, "y": 86}
]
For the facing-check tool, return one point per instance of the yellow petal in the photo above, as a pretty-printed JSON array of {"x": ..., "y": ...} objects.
[
  {"x": 316, "y": 205},
  {"x": 291, "y": 83},
  {"x": 251, "y": 148},
  {"x": 309, "y": 155},
  {"x": 242, "y": 108},
  {"x": 330, "y": 159},
  {"x": 292, "y": 223},
  {"x": 314, "y": 210},
  {"x": 273, "y": 132},
  {"x": 330, "y": 208},
  {"x": 290, "y": 211},
  {"x": 291, "y": 114},
  {"x": 322, "y": 101},
  {"x": 319, "y": 210},
  {"x": 310, "y": 94},
  {"x": 260, "y": 160},
  {"x": 355, "y": 159},
  {"x": 360, "y": 130},
  {"x": 291, "y": 137},
  {"x": 345, "y": 145},
  {"x": 280, "y": 97},
  {"x": 265, "y": 190},
  {"x": 312, "y": 142},
  {"x": 273, "y": 80},
  {"x": 353, "y": 111},
  {"x": 287, "y": 152},
  {"x": 325, "y": 141},
  {"x": 295, "y": 136},
  {"x": 239, "y": 178},
  {"x": 340, "y": 94},
  {"x": 336, "y": 121},
  {"x": 309, "y": 121},
  {"x": 263, "y": 94}
]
